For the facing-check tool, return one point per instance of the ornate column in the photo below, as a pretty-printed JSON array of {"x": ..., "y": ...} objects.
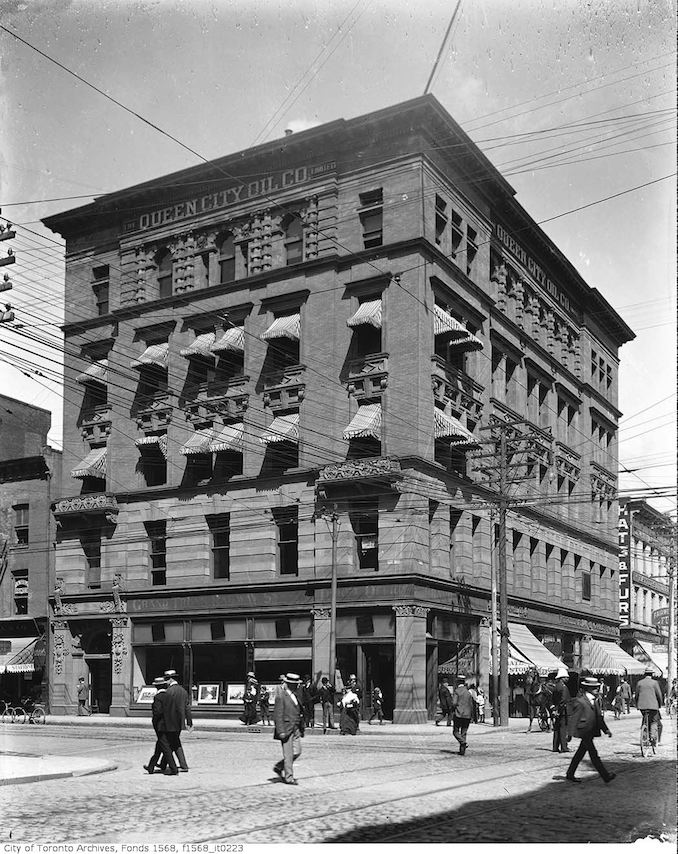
[
  {"x": 410, "y": 665},
  {"x": 519, "y": 292},
  {"x": 585, "y": 651},
  {"x": 121, "y": 665},
  {"x": 484, "y": 637},
  {"x": 62, "y": 691},
  {"x": 321, "y": 643}
]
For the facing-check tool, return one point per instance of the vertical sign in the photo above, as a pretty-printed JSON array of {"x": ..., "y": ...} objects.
[{"x": 624, "y": 565}]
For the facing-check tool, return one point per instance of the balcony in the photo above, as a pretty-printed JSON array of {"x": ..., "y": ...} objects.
[
  {"x": 93, "y": 504},
  {"x": 603, "y": 482},
  {"x": 95, "y": 423},
  {"x": 153, "y": 411},
  {"x": 227, "y": 400},
  {"x": 384, "y": 471},
  {"x": 568, "y": 462},
  {"x": 284, "y": 388},
  {"x": 368, "y": 375},
  {"x": 464, "y": 393}
]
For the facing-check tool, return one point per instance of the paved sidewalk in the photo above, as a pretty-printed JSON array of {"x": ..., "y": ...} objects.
[{"x": 21, "y": 768}]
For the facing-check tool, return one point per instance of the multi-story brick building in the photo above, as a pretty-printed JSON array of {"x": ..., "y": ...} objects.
[
  {"x": 322, "y": 325},
  {"x": 30, "y": 472}
]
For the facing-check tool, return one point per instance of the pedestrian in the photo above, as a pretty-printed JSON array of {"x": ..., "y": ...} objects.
[
  {"x": 307, "y": 694},
  {"x": 357, "y": 689},
  {"x": 474, "y": 695},
  {"x": 618, "y": 703},
  {"x": 176, "y": 717},
  {"x": 350, "y": 712},
  {"x": 587, "y": 722},
  {"x": 326, "y": 694},
  {"x": 481, "y": 706},
  {"x": 559, "y": 700},
  {"x": 672, "y": 698},
  {"x": 264, "y": 707},
  {"x": 377, "y": 706},
  {"x": 445, "y": 697},
  {"x": 157, "y": 719},
  {"x": 289, "y": 727},
  {"x": 649, "y": 700},
  {"x": 250, "y": 700},
  {"x": 462, "y": 709},
  {"x": 83, "y": 694},
  {"x": 626, "y": 695}
]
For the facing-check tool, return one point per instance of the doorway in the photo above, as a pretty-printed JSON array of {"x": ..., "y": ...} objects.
[
  {"x": 380, "y": 672},
  {"x": 101, "y": 675}
]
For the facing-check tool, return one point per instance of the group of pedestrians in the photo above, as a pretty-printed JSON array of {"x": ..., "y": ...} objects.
[{"x": 170, "y": 714}]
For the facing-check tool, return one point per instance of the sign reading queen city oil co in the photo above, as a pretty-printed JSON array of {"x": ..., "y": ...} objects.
[{"x": 239, "y": 192}]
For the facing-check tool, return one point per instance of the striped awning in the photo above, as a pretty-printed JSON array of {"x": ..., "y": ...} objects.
[
  {"x": 24, "y": 660},
  {"x": 468, "y": 342},
  {"x": 366, "y": 422},
  {"x": 605, "y": 657},
  {"x": 232, "y": 339},
  {"x": 449, "y": 427},
  {"x": 658, "y": 660},
  {"x": 288, "y": 326},
  {"x": 94, "y": 465},
  {"x": 445, "y": 324},
  {"x": 230, "y": 437},
  {"x": 202, "y": 346},
  {"x": 155, "y": 355},
  {"x": 199, "y": 443},
  {"x": 16, "y": 647},
  {"x": 284, "y": 428},
  {"x": 368, "y": 313},
  {"x": 97, "y": 372},
  {"x": 522, "y": 640},
  {"x": 517, "y": 662},
  {"x": 154, "y": 441}
]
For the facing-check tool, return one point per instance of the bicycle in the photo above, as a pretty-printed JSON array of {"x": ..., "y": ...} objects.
[
  {"x": 37, "y": 714},
  {"x": 646, "y": 743},
  {"x": 13, "y": 714}
]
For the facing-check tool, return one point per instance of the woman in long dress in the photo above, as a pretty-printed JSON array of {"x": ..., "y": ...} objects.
[{"x": 348, "y": 718}]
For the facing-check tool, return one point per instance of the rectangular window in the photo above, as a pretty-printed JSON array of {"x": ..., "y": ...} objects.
[
  {"x": 91, "y": 547},
  {"x": 100, "y": 287},
  {"x": 372, "y": 218},
  {"x": 157, "y": 632},
  {"x": 157, "y": 535},
  {"x": 366, "y": 529},
  {"x": 220, "y": 534},
  {"x": 510, "y": 382},
  {"x": 153, "y": 463},
  {"x": 21, "y": 524},
  {"x": 287, "y": 523},
  {"x": 586, "y": 586},
  {"x": 20, "y": 579},
  {"x": 456, "y": 233},
  {"x": 441, "y": 219},
  {"x": 455, "y": 519},
  {"x": 471, "y": 248}
]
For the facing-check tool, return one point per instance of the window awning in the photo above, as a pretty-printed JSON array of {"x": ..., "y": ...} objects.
[
  {"x": 523, "y": 641},
  {"x": 366, "y": 422},
  {"x": 445, "y": 324},
  {"x": 94, "y": 465},
  {"x": 97, "y": 372},
  {"x": 463, "y": 662},
  {"x": 658, "y": 659},
  {"x": 284, "y": 428},
  {"x": 468, "y": 342},
  {"x": 369, "y": 313},
  {"x": 281, "y": 652},
  {"x": 605, "y": 657},
  {"x": 199, "y": 443},
  {"x": 155, "y": 355},
  {"x": 232, "y": 339},
  {"x": 17, "y": 646},
  {"x": 154, "y": 441},
  {"x": 230, "y": 437},
  {"x": 517, "y": 662},
  {"x": 288, "y": 326},
  {"x": 202, "y": 346},
  {"x": 449, "y": 427},
  {"x": 24, "y": 660}
]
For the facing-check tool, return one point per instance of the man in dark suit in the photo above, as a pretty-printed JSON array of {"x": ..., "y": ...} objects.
[
  {"x": 445, "y": 697},
  {"x": 559, "y": 700},
  {"x": 176, "y": 716},
  {"x": 288, "y": 720},
  {"x": 586, "y": 722},
  {"x": 462, "y": 708},
  {"x": 161, "y": 744}
]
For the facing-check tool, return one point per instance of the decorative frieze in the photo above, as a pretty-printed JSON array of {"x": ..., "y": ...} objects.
[
  {"x": 368, "y": 376},
  {"x": 320, "y": 613},
  {"x": 603, "y": 483},
  {"x": 283, "y": 389},
  {"x": 118, "y": 642},
  {"x": 410, "y": 610},
  {"x": 456, "y": 388},
  {"x": 371, "y": 467},
  {"x": 92, "y": 504},
  {"x": 568, "y": 462}
]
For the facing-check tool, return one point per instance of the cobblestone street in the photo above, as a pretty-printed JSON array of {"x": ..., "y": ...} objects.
[{"x": 384, "y": 786}]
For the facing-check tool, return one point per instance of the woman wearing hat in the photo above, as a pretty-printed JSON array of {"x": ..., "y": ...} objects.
[
  {"x": 288, "y": 727},
  {"x": 586, "y": 723}
]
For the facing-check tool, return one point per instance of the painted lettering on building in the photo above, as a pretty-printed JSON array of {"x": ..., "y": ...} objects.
[
  {"x": 532, "y": 267},
  {"x": 624, "y": 566},
  {"x": 239, "y": 192}
]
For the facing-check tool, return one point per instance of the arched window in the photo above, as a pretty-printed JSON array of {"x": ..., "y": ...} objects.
[
  {"x": 293, "y": 239},
  {"x": 226, "y": 248},
  {"x": 164, "y": 263}
]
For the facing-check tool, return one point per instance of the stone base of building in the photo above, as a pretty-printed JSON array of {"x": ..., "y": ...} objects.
[{"x": 410, "y": 716}]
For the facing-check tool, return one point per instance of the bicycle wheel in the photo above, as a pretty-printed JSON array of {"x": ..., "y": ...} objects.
[
  {"x": 37, "y": 716},
  {"x": 19, "y": 716},
  {"x": 7, "y": 716},
  {"x": 644, "y": 740}
]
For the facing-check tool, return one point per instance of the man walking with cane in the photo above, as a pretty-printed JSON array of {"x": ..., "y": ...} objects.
[{"x": 288, "y": 720}]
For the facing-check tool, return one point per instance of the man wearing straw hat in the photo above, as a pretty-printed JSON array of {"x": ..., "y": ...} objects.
[
  {"x": 586, "y": 722},
  {"x": 288, "y": 723}
]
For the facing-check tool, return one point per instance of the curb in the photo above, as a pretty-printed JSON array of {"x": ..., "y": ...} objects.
[{"x": 57, "y": 775}]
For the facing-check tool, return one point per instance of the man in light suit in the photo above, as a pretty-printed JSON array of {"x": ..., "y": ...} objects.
[
  {"x": 462, "y": 709},
  {"x": 288, "y": 720},
  {"x": 586, "y": 722},
  {"x": 176, "y": 717},
  {"x": 649, "y": 699}
]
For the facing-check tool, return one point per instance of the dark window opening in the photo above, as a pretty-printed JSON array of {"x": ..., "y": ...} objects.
[
  {"x": 91, "y": 547},
  {"x": 21, "y": 524},
  {"x": 220, "y": 534},
  {"x": 441, "y": 219},
  {"x": 164, "y": 263},
  {"x": 287, "y": 524},
  {"x": 365, "y": 525},
  {"x": 293, "y": 239},
  {"x": 152, "y": 381},
  {"x": 362, "y": 447},
  {"x": 157, "y": 535},
  {"x": 20, "y": 581},
  {"x": 230, "y": 364},
  {"x": 457, "y": 233},
  {"x": 100, "y": 287},
  {"x": 586, "y": 586},
  {"x": 372, "y": 218},
  {"x": 158, "y": 631},
  {"x": 471, "y": 248},
  {"x": 366, "y": 340},
  {"x": 153, "y": 465},
  {"x": 198, "y": 469},
  {"x": 365, "y": 624},
  {"x": 283, "y": 629},
  {"x": 226, "y": 250}
]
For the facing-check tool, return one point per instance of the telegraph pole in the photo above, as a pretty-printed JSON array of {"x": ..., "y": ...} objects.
[
  {"x": 333, "y": 597},
  {"x": 503, "y": 583}
]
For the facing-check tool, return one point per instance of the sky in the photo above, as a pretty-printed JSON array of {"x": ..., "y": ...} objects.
[{"x": 573, "y": 100}]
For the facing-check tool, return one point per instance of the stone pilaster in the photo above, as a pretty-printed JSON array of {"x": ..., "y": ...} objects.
[
  {"x": 410, "y": 665},
  {"x": 121, "y": 665},
  {"x": 484, "y": 634},
  {"x": 321, "y": 643},
  {"x": 585, "y": 652},
  {"x": 62, "y": 691}
]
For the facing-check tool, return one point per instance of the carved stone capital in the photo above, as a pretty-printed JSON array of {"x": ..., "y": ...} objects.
[
  {"x": 320, "y": 613},
  {"x": 410, "y": 610}
]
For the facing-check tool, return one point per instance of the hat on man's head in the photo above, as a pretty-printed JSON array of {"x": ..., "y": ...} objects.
[
  {"x": 250, "y": 675},
  {"x": 81, "y": 678},
  {"x": 324, "y": 680},
  {"x": 292, "y": 678},
  {"x": 352, "y": 676},
  {"x": 461, "y": 678},
  {"x": 649, "y": 671},
  {"x": 590, "y": 682},
  {"x": 562, "y": 673},
  {"x": 170, "y": 674},
  {"x": 159, "y": 681}
]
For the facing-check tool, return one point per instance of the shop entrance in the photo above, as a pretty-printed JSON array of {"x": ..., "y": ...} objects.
[
  {"x": 380, "y": 672},
  {"x": 101, "y": 675}
]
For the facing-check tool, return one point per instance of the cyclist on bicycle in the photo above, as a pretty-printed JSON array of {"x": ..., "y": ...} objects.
[{"x": 649, "y": 700}]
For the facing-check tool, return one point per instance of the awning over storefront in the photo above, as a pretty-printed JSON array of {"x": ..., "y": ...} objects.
[
  {"x": 284, "y": 428},
  {"x": 606, "y": 658},
  {"x": 288, "y": 326},
  {"x": 96, "y": 373},
  {"x": 463, "y": 662},
  {"x": 94, "y": 465},
  {"x": 159, "y": 442},
  {"x": 24, "y": 660},
  {"x": 278, "y": 652},
  {"x": 366, "y": 422},
  {"x": 658, "y": 659},
  {"x": 232, "y": 339},
  {"x": 445, "y": 324},
  {"x": 449, "y": 427},
  {"x": 14, "y": 654},
  {"x": 368, "y": 313},
  {"x": 517, "y": 663},
  {"x": 155, "y": 355},
  {"x": 202, "y": 346},
  {"x": 199, "y": 443},
  {"x": 530, "y": 647},
  {"x": 230, "y": 437}
]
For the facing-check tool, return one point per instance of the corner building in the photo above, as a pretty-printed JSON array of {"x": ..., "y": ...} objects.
[{"x": 317, "y": 327}]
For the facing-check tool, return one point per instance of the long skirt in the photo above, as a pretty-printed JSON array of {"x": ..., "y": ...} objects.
[{"x": 348, "y": 721}]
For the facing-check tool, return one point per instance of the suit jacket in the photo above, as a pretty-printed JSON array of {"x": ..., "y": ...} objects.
[
  {"x": 176, "y": 709},
  {"x": 585, "y": 720},
  {"x": 648, "y": 694},
  {"x": 560, "y": 697},
  {"x": 157, "y": 711},
  {"x": 287, "y": 716},
  {"x": 462, "y": 702},
  {"x": 445, "y": 697}
]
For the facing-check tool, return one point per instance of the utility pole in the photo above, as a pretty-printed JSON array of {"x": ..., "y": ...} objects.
[
  {"x": 7, "y": 233},
  {"x": 493, "y": 625},
  {"x": 333, "y": 598}
]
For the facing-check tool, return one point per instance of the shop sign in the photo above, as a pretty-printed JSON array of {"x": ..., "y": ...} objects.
[
  {"x": 239, "y": 192},
  {"x": 624, "y": 568},
  {"x": 660, "y": 617}
]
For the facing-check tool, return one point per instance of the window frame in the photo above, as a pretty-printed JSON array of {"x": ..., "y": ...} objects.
[
  {"x": 372, "y": 207},
  {"x": 157, "y": 533},
  {"x": 219, "y": 525},
  {"x": 22, "y": 524},
  {"x": 287, "y": 534}
]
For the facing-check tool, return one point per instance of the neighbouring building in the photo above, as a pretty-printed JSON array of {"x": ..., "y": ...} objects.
[
  {"x": 297, "y": 347},
  {"x": 30, "y": 476}
]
